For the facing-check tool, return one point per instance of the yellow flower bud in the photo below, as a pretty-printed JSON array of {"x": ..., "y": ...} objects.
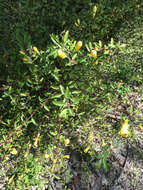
[
  {"x": 94, "y": 9},
  {"x": 66, "y": 156},
  {"x": 25, "y": 60},
  {"x": 86, "y": 149},
  {"x": 93, "y": 53},
  {"x": 61, "y": 54},
  {"x": 36, "y": 50},
  {"x": 66, "y": 142},
  {"x": 78, "y": 45},
  {"x": 21, "y": 52},
  {"x": 13, "y": 151},
  {"x": 103, "y": 143},
  {"x": 124, "y": 132}
]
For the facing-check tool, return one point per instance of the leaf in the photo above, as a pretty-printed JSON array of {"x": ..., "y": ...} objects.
[
  {"x": 74, "y": 56},
  {"x": 62, "y": 89},
  {"x": 13, "y": 151},
  {"x": 46, "y": 108},
  {"x": 55, "y": 40},
  {"x": 56, "y": 96},
  {"x": 58, "y": 103},
  {"x": 67, "y": 93},
  {"x": 64, "y": 113},
  {"x": 76, "y": 92},
  {"x": 131, "y": 109},
  {"x": 75, "y": 100},
  {"x": 33, "y": 121},
  {"x": 65, "y": 38},
  {"x": 55, "y": 76},
  {"x": 105, "y": 165},
  {"x": 98, "y": 164},
  {"x": 71, "y": 112}
]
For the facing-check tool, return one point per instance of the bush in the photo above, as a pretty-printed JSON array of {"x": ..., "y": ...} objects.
[{"x": 51, "y": 84}]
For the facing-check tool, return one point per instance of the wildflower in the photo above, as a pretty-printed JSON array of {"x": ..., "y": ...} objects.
[
  {"x": 61, "y": 54},
  {"x": 124, "y": 132},
  {"x": 25, "y": 60},
  {"x": 66, "y": 156},
  {"x": 141, "y": 127},
  {"x": 37, "y": 139},
  {"x": 103, "y": 143},
  {"x": 21, "y": 52},
  {"x": 94, "y": 9},
  {"x": 86, "y": 149},
  {"x": 78, "y": 45},
  {"x": 93, "y": 53},
  {"x": 11, "y": 179},
  {"x": 13, "y": 151},
  {"x": 109, "y": 51},
  {"x": 26, "y": 154},
  {"x": 36, "y": 50},
  {"x": 119, "y": 84},
  {"x": 66, "y": 142}
]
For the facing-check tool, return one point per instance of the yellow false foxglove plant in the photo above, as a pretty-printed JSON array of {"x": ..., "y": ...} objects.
[
  {"x": 124, "y": 131},
  {"x": 61, "y": 54},
  {"x": 78, "y": 45}
]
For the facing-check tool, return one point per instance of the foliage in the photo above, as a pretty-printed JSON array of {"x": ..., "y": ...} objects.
[{"x": 51, "y": 84}]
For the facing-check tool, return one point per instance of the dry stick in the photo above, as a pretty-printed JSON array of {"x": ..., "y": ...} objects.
[{"x": 19, "y": 128}]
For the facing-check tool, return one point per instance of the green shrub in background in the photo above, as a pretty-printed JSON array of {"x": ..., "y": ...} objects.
[{"x": 50, "y": 83}]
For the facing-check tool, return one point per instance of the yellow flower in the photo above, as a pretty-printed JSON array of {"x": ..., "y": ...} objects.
[
  {"x": 21, "y": 52},
  {"x": 66, "y": 142},
  {"x": 26, "y": 154},
  {"x": 66, "y": 156},
  {"x": 37, "y": 139},
  {"x": 86, "y": 149},
  {"x": 36, "y": 50},
  {"x": 124, "y": 132},
  {"x": 61, "y": 54},
  {"x": 78, "y": 45},
  {"x": 10, "y": 180},
  {"x": 94, "y": 9},
  {"x": 13, "y": 151},
  {"x": 93, "y": 53},
  {"x": 141, "y": 127},
  {"x": 103, "y": 143}
]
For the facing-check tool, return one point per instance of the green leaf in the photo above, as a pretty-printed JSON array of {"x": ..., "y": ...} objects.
[
  {"x": 55, "y": 40},
  {"x": 73, "y": 45},
  {"x": 55, "y": 77},
  {"x": 71, "y": 112},
  {"x": 56, "y": 96},
  {"x": 86, "y": 45},
  {"x": 75, "y": 100},
  {"x": 74, "y": 56},
  {"x": 131, "y": 109},
  {"x": 65, "y": 38},
  {"x": 55, "y": 87},
  {"x": 67, "y": 93},
  {"x": 76, "y": 92},
  {"x": 33, "y": 121},
  {"x": 64, "y": 113},
  {"x": 98, "y": 164},
  {"x": 105, "y": 165},
  {"x": 96, "y": 154},
  {"x": 58, "y": 103},
  {"x": 62, "y": 89},
  {"x": 46, "y": 108}
]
